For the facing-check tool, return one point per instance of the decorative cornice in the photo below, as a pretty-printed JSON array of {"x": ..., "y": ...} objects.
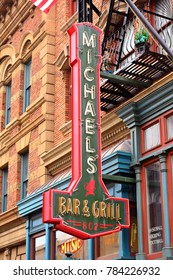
[
  {"x": 60, "y": 165},
  {"x": 69, "y": 23},
  {"x": 62, "y": 60},
  {"x": 5, "y": 6},
  {"x": 57, "y": 152},
  {"x": 13, "y": 23},
  {"x": 59, "y": 158},
  {"x": 149, "y": 90},
  {"x": 66, "y": 128},
  {"x": 149, "y": 107},
  {"x": 115, "y": 134},
  {"x": 113, "y": 129}
]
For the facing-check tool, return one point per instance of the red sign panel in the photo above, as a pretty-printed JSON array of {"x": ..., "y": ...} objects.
[{"x": 85, "y": 209}]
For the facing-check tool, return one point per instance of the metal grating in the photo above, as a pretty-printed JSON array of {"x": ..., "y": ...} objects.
[{"x": 146, "y": 68}]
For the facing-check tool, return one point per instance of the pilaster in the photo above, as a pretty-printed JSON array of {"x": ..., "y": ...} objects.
[
  {"x": 167, "y": 250},
  {"x": 140, "y": 255}
]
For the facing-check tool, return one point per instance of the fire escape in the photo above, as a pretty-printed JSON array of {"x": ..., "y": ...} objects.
[{"x": 136, "y": 49}]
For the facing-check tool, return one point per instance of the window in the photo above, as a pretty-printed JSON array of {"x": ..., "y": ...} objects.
[
  {"x": 169, "y": 123},
  {"x": 4, "y": 189},
  {"x": 108, "y": 246},
  {"x": 163, "y": 8},
  {"x": 155, "y": 235},
  {"x": 8, "y": 103},
  {"x": 66, "y": 243},
  {"x": 152, "y": 136},
  {"x": 24, "y": 174},
  {"x": 27, "y": 85},
  {"x": 133, "y": 230},
  {"x": 38, "y": 245},
  {"x": 163, "y": 20}
]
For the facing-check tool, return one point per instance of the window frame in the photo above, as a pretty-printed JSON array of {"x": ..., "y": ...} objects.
[
  {"x": 4, "y": 189},
  {"x": 166, "y": 116},
  {"x": 33, "y": 243},
  {"x": 170, "y": 190},
  {"x": 8, "y": 103},
  {"x": 164, "y": 141},
  {"x": 24, "y": 178},
  {"x": 27, "y": 84},
  {"x": 143, "y": 129},
  {"x": 154, "y": 255}
]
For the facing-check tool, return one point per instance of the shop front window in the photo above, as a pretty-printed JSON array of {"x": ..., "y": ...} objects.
[
  {"x": 66, "y": 243},
  {"x": 38, "y": 245},
  {"x": 152, "y": 136},
  {"x": 155, "y": 231},
  {"x": 133, "y": 231},
  {"x": 169, "y": 122},
  {"x": 108, "y": 246}
]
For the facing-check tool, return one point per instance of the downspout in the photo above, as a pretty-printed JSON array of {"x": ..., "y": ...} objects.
[{"x": 147, "y": 24}]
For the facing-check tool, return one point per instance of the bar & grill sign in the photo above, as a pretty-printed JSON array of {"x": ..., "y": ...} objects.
[{"x": 85, "y": 209}]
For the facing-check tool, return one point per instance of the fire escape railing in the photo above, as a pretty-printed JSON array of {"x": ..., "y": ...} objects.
[{"x": 120, "y": 51}]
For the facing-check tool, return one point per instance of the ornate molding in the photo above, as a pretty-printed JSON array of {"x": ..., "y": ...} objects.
[
  {"x": 114, "y": 135},
  {"x": 69, "y": 23},
  {"x": 59, "y": 158},
  {"x": 10, "y": 24},
  {"x": 57, "y": 152},
  {"x": 60, "y": 165},
  {"x": 5, "y": 6},
  {"x": 66, "y": 128},
  {"x": 62, "y": 60}
]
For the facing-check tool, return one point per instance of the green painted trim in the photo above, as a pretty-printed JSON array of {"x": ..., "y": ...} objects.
[
  {"x": 127, "y": 81},
  {"x": 148, "y": 108},
  {"x": 119, "y": 179}
]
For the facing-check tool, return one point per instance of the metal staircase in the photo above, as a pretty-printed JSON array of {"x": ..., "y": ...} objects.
[
  {"x": 126, "y": 68},
  {"x": 131, "y": 70}
]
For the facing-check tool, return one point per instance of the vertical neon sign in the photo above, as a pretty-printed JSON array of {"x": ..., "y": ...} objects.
[{"x": 85, "y": 209}]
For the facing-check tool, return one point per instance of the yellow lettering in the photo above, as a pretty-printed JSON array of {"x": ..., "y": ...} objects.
[
  {"x": 73, "y": 245},
  {"x": 102, "y": 207},
  {"x": 108, "y": 211},
  {"x": 61, "y": 205},
  {"x": 117, "y": 212},
  {"x": 112, "y": 212},
  {"x": 95, "y": 209},
  {"x": 76, "y": 204},
  {"x": 69, "y": 206},
  {"x": 78, "y": 244},
  {"x": 85, "y": 209},
  {"x": 63, "y": 248}
]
